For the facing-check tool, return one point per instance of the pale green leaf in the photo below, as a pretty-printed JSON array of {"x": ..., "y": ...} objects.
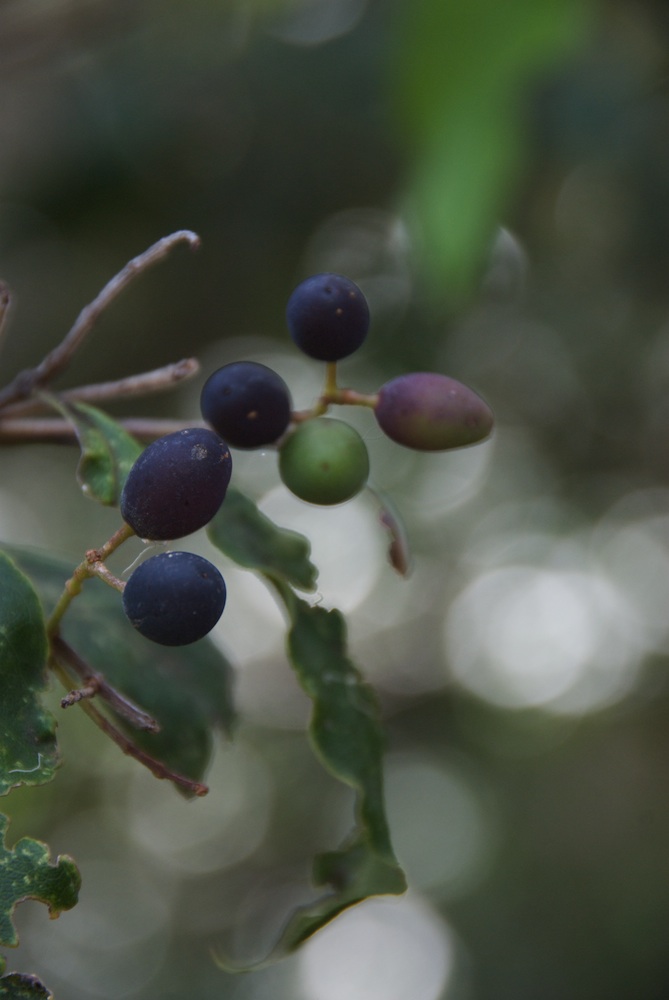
[
  {"x": 252, "y": 540},
  {"x": 108, "y": 452}
]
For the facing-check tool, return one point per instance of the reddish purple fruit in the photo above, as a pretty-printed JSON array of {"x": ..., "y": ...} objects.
[{"x": 431, "y": 412}]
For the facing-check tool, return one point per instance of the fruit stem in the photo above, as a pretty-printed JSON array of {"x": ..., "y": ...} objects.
[
  {"x": 349, "y": 397},
  {"x": 330, "y": 389},
  {"x": 92, "y": 565},
  {"x": 334, "y": 396}
]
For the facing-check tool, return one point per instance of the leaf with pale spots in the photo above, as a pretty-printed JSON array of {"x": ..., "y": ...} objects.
[
  {"x": 16, "y": 986},
  {"x": 28, "y": 750},
  {"x": 27, "y": 872}
]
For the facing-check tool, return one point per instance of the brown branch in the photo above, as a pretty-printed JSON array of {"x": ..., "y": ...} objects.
[
  {"x": 156, "y": 767},
  {"x": 157, "y": 380},
  {"x": 78, "y": 694},
  {"x": 53, "y": 430},
  {"x": 26, "y": 382},
  {"x": 95, "y": 683},
  {"x": 5, "y": 302},
  {"x": 160, "y": 770}
]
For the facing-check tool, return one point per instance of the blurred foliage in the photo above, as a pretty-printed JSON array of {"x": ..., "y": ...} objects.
[
  {"x": 497, "y": 180},
  {"x": 462, "y": 75}
]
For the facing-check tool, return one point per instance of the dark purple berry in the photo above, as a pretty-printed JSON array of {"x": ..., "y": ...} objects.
[
  {"x": 246, "y": 403},
  {"x": 328, "y": 317},
  {"x": 174, "y": 598},
  {"x": 177, "y": 484}
]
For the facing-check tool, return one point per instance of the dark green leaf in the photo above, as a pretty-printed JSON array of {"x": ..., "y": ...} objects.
[
  {"x": 188, "y": 690},
  {"x": 253, "y": 541},
  {"x": 28, "y": 750},
  {"x": 108, "y": 452},
  {"x": 19, "y": 987},
  {"x": 344, "y": 727},
  {"x": 355, "y": 872},
  {"x": 26, "y": 872},
  {"x": 346, "y": 733}
]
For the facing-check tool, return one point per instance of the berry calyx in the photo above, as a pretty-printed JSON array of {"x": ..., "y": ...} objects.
[
  {"x": 174, "y": 598},
  {"x": 247, "y": 403},
  {"x": 177, "y": 484},
  {"x": 324, "y": 461},
  {"x": 328, "y": 317}
]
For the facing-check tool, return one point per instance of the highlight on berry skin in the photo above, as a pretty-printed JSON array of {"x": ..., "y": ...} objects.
[
  {"x": 247, "y": 403},
  {"x": 177, "y": 484},
  {"x": 174, "y": 598},
  {"x": 431, "y": 412},
  {"x": 328, "y": 317}
]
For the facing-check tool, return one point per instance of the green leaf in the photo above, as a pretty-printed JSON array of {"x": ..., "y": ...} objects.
[
  {"x": 28, "y": 750},
  {"x": 26, "y": 872},
  {"x": 461, "y": 79},
  {"x": 253, "y": 541},
  {"x": 188, "y": 690},
  {"x": 19, "y": 987},
  {"x": 346, "y": 734},
  {"x": 344, "y": 727},
  {"x": 108, "y": 452},
  {"x": 357, "y": 872}
]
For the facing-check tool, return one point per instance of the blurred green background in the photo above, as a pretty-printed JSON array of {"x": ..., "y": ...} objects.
[{"x": 496, "y": 178}]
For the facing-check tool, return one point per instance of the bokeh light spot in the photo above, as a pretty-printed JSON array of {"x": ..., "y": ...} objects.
[
  {"x": 379, "y": 950},
  {"x": 215, "y": 832},
  {"x": 442, "y": 832},
  {"x": 525, "y": 636}
]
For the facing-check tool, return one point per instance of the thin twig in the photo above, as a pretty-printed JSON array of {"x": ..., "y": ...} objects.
[
  {"x": 95, "y": 683},
  {"x": 84, "y": 571},
  {"x": 157, "y": 380},
  {"x": 54, "y": 430},
  {"x": 156, "y": 767},
  {"x": 74, "y": 697},
  {"x": 26, "y": 382},
  {"x": 5, "y": 301}
]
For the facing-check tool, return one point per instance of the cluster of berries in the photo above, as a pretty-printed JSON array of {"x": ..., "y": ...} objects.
[{"x": 179, "y": 482}]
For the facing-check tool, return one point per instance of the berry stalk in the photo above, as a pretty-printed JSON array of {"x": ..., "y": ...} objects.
[{"x": 92, "y": 565}]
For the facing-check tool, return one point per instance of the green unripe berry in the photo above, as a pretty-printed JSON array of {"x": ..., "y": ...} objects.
[{"x": 324, "y": 461}]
